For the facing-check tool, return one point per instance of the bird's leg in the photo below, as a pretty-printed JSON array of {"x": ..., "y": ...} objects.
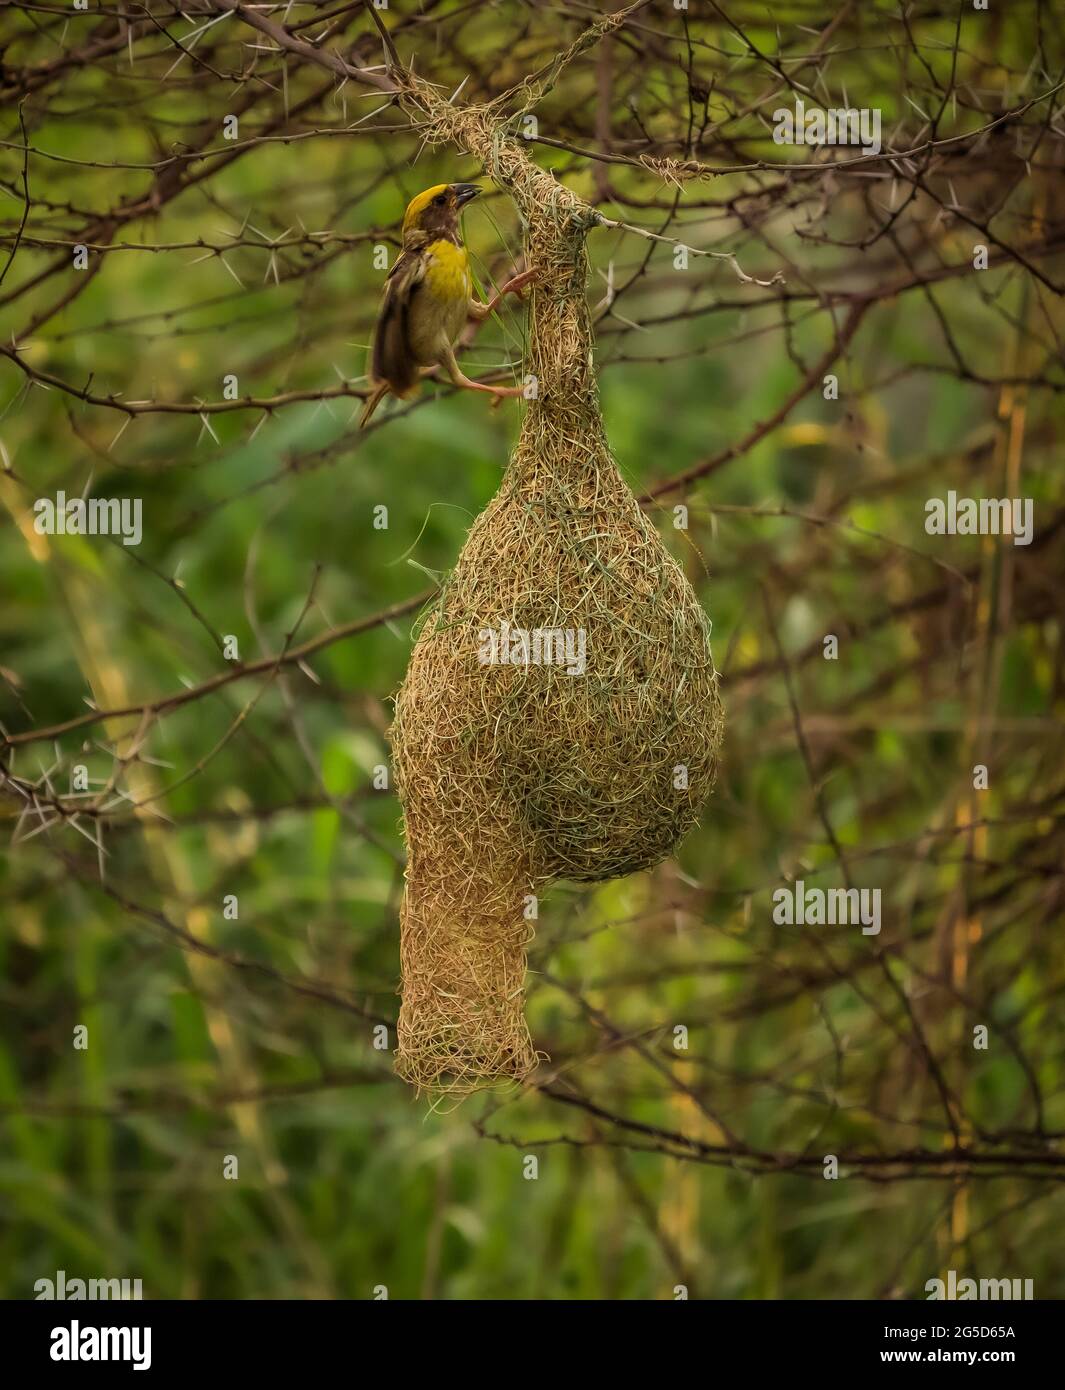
[
  {"x": 459, "y": 377},
  {"x": 514, "y": 285},
  {"x": 382, "y": 389}
]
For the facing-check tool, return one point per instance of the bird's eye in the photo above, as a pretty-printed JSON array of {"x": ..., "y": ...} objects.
[{"x": 440, "y": 199}]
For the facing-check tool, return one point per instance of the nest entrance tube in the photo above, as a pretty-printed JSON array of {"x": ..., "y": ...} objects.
[{"x": 514, "y": 770}]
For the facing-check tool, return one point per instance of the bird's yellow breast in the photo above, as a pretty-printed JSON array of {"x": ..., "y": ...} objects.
[{"x": 447, "y": 274}]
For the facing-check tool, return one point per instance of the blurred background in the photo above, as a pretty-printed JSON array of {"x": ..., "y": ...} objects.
[{"x": 803, "y": 391}]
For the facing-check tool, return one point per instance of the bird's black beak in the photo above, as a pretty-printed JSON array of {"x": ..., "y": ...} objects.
[{"x": 464, "y": 192}]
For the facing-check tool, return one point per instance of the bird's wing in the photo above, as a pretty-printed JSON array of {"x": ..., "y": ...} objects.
[{"x": 393, "y": 360}]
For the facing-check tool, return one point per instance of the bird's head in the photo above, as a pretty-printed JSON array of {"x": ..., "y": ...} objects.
[{"x": 436, "y": 210}]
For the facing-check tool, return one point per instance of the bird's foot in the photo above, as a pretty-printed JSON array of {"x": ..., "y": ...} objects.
[
  {"x": 502, "y": 393},
  {"x": 517, "y": 283}
]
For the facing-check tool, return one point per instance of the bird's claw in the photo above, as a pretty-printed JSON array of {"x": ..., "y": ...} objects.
[{"x": 517, "y": 285}]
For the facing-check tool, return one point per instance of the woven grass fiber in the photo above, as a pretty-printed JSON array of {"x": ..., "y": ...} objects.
[{"x": 513, "y": 775}]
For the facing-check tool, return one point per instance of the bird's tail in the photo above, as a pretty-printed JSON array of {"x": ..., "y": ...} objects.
[{"x": 373, "y": 400}]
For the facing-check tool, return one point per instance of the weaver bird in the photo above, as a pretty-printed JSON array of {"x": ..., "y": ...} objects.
[{"x": 428, "y": 299}]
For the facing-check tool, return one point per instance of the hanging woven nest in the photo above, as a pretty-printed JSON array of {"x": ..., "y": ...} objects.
[{"x": 560, "y": 715}]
